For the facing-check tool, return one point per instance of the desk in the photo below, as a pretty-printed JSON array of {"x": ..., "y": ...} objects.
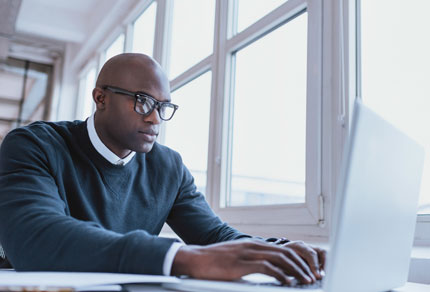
[
  {"x": 413, "y": 287},
  {"x": 43, "y": 281},
  {"x": 409, "y": 287}
]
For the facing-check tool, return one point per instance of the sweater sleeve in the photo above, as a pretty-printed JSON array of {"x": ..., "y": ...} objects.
[
  {"x": 37, "y": 234},
  {"x": 192, "y": 218}
]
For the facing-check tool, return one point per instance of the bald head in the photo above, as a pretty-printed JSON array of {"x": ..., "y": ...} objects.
[
  {"x": 131, "y": 68},
  {"x": 121, "y": 128}
]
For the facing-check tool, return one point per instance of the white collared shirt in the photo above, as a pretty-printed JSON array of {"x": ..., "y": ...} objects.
[
  {"x": 102, "y": 149},
  {"x": 114, "y": 159}
]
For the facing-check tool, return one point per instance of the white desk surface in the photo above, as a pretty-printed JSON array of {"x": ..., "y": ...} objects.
[
  {"x": 413, "y": 287},
  {"x": 409, "y": 287}
]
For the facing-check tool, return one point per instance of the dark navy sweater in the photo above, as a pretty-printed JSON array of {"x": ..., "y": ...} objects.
[{"x": 64, "y": 207}]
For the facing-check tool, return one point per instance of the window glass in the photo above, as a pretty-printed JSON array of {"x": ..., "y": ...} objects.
[
  {"x": 249, "y": 11},
  {"x": 89, "y": 82},
  {"x": 144, "y": 30},
  {"x": 269, "y": 123},
  {"x": 192, "y": 34},
  {"x": 188, "y": 131},
  {"x": 395, "y": 64},
  {"x": 116, "y": 48}
]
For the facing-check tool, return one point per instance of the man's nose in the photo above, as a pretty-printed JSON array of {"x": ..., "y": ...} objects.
[{"x": 153, "y": 117}]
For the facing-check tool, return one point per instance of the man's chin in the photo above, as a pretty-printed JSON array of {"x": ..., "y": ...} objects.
[{"x": 145, "y": 148}]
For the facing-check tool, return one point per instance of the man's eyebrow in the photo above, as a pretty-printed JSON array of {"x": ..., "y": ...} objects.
[
  {"x": 169, "y": 100},
  {"x": 143, "y": 93}
]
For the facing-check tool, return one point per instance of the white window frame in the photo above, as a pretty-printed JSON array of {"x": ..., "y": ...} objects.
[
  {"x": 82, "y": 80},
  {"x": 162, "y": 47},
  {"x": 294, "y": 216},
  {"x": 129, "y": 21},
  {"x": 121, "y": 29}
]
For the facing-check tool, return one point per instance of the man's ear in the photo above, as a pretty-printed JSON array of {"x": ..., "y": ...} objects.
[{"x": 99, "y": 98}]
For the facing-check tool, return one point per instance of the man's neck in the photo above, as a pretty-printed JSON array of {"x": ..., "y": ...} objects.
[{"x": 100, "y": 141}]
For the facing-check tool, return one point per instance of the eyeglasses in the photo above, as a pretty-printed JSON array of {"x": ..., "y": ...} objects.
[{"x": 144, "y": 104}]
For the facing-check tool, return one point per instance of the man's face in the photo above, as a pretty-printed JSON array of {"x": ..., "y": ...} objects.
[{"x": 125, "y": 129}]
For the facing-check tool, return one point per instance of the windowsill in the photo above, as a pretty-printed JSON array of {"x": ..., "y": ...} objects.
[
  {"x": 420, "y": 265},
  {"x": 421, "y": 252}
]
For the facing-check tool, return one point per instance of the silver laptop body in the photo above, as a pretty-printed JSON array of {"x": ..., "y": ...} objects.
[
  {"x": 376, "y": 207},
  {"x": 374, "y": 214}
]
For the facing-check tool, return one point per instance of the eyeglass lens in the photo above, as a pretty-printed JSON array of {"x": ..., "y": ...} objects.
[{"x": 146, "y": 105}]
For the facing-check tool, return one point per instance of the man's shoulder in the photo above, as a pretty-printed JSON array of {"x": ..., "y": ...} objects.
[
  {"x": 42, "y": 132},
  {"x": 43, "y": 126}
]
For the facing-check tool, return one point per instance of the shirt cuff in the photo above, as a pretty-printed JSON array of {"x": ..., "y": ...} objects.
[{"x": 170, "y": 256}]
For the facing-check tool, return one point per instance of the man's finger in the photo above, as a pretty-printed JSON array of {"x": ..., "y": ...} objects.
[
  {"x": 322, "y": 256},
  {"x": 291, "y": 253},
  {"x": 287, "y": 264},
  {"x": 265, "y": 267},
  {"x": 310, "y": 255}
]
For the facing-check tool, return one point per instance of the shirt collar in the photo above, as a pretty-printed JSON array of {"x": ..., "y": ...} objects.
[{"x": 102, "y": 149}]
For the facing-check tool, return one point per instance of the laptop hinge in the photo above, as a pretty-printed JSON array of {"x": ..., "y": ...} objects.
[{"x": 321, "y": 221}]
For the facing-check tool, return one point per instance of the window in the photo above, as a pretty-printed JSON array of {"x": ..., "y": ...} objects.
[
  {"x": 116, "y": 48},
  {"x": 249, "y": 11},
  {"x": 192, "y": 33},
  {"x": 188, "y": 131},
  {"x": 86, "y": 105},
  {"x": 268, "y": 161},
  {"x": 395, "y": 67},
  {"x": 269, "y": 120},
  {"x": 144, "y": 30}
]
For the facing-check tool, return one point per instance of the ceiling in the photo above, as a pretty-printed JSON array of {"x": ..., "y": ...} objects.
[
  {"x": 64, "y": 20},
  {"x": 39, "y": 30},
  {"x": 48, "y": 24}
]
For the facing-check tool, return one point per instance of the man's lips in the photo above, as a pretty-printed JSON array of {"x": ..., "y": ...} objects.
[{"x": 149, "y": 136}]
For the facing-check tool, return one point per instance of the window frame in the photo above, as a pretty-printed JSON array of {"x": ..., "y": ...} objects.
[
  {"x": 82, "y": 84},
  {"x": 130, "y": 22},
  {"x": 122, "y": 31},
  {"x": 310, "y": 213}
]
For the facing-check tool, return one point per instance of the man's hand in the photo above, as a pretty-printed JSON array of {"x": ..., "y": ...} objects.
[
  {"x": 315, "y": 257},
  {"x": 233, "y": 259}
]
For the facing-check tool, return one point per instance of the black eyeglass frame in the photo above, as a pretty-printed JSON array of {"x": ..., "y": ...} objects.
[{"x": 141, "y": 97}]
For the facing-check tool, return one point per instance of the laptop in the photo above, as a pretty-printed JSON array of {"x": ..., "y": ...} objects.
[{"x": 374, "y": 213}]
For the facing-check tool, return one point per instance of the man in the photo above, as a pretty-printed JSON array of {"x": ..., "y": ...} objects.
[{"x": 94, "y": 195}]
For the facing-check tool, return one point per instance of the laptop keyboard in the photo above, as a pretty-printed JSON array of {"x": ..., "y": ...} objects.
[
  {"x": 316, "y": 285},
  {"x": 295, "y": 284}
]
